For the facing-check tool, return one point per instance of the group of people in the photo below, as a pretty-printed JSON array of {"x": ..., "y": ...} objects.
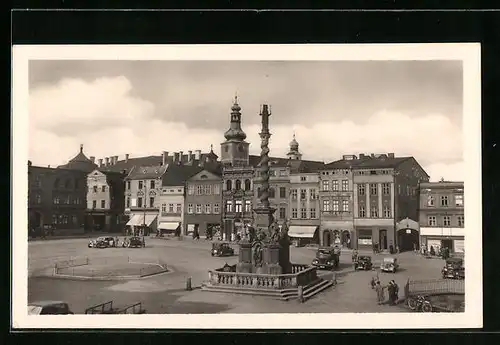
[{"x": 392, "y": 289}]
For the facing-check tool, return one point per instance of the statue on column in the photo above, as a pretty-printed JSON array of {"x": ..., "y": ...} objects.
[{"x": 275, "y": 232}]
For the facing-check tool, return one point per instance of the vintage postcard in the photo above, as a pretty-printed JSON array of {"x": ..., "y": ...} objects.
[{"x": 247, "y": 186}]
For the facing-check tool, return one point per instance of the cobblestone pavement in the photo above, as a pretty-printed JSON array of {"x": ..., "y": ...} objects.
[{"x": 166, "y": 293}]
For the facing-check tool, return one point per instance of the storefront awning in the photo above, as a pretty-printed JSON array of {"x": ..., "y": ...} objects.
[
  {"x": 135, "y": 220},
  {"x": 168, "y": 226},
  {"x": 302, "y": 231},
  {"x": 150, "y": 218}
]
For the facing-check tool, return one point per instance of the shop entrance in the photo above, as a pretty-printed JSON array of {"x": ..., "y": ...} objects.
[
  {"x": 99, "y": 222},
  {"x": 327, "y": 238},
  {"x": 382, "y": 239},
  {"x": 407, "y": 239},
  {"x": 447, "y": 244},
  {"x": 346, "y": 239}
]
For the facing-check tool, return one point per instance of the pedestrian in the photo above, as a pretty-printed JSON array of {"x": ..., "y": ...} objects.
[
  {"x": 390, "y": 290},
  {"x": 373, "y": 283},
  {"x": 354, "y": 255},
  {"x": 380, "y": 292},
  {"x": 396, "y": 292}
]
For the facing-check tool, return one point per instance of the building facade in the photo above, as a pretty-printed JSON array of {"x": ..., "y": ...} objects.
[
  {"x": 203, "y": 202},
  {"x": 442, "y": 215},
  {"x": 385, "y": 192},
  {"x": 237, "y": 177},
  {"x": 105, "y": 202}
]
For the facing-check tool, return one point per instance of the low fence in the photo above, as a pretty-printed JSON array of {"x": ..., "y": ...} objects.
[
  {"x": 103, "y": 308},
  {"x": 434, "y": 287}
]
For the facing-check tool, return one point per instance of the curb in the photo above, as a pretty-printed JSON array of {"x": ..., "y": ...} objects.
[{"x": 115, "y": 278}]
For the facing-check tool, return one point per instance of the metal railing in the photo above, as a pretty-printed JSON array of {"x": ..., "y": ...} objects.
[
  {"x": 434, "y": 287},
  {"x": 103, "y": 308}
]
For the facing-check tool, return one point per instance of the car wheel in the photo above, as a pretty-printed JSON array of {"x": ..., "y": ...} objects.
[
  {"x": 412, "y": 303},
  {"x": 427, "y": 307}
]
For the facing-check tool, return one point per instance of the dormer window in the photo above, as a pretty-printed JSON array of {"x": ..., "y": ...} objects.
[{"x": 373, "y": 172}]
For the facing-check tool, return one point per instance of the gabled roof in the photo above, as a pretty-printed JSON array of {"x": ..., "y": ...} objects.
[
  {"x": 146, "y": 172},
  {"x": 177, "y": 175}
]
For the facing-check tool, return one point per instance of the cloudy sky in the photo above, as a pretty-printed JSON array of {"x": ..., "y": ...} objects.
[{"x": 335, "y": 108}]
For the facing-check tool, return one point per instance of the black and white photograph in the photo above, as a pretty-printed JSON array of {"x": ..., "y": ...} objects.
[{"x": 247, "y": 186}]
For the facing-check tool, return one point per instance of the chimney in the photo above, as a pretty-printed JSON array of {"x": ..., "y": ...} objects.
[
  {"x": 176, "y": 157},
  {"x": 92, "y": 159},
  {"x": 190, "y": 155},
  {"x": 390, "y": 155},
  {"x": 197, "y": 154},
  {"x": 164, "y": 156},
  {"x": 107, "y": 161},
  {"x": 116, "y": 159},
  {"x": 180, "y": 156},
  {"x": 100, "y": 162},
  {"x": 372, "y": 155},
  {"x": 126, "y": 157}
]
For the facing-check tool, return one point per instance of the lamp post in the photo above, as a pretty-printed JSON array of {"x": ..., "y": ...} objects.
[{"x": 145, "y": 201}]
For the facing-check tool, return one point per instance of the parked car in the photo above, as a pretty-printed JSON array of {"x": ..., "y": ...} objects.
[
  {"x": 103, "y": 242},
  {"x": 453, "y": 269},
  {"x": 363, "y": 263},
  {"x": 134, "y": 242},
  {"x": 327, "y": 258},
  {"x": 389, "y": 264},
  {"x": 49, "y": 308},
  {"x": 221, "y": 249}
]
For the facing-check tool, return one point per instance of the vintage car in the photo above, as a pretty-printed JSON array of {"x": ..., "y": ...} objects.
[
  {"x": 134, "y": 242},
  {"x": 102, "y": 242},
  {"x": 363, "y": 263},
  {"x": 327, "y": 258},
  {"x": 49, "y": 308},
  {"x": 221, "y": 249},
  {"x": 453, "y": 269},
  {"x": 389, "y": 264}
]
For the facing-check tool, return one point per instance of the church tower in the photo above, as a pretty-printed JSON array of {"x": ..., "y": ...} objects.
[
  {"x": 234, "y": 151},
  {"x": 294, "y": 153}
]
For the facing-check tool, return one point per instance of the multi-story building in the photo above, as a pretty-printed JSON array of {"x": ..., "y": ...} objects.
[
  {"x": 442, "y": 215},
  {"x": 237, "y": 176},
  {"x": 337, "y": 202},
  {"x": 57, "y": 196},
  {"x": 105, "y": 201},
  {"x": 143, "y": 186},
  {"x": 385, "y": 192},
  {"x": 203, "y": 202}
]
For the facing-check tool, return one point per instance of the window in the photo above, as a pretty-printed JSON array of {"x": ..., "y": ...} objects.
[
  {"x": 38, "y": 199},
  {"x": 283, "y": 173},
  {"x": 362, "y": 212},
  {"x": 103, "y": 203},
  {"x": 303, "y": 194},
  {"x": 444, "y": 200},
  {"x": 335, "y": 205},
  {"x": 459, "y": 200},
  {"x": 152, "y": 184},
  {"x": 208, "y": 189},
  {"x": 198, "y": 208},
  {"x": 191, "y": 189},
  {"x": 430, "y": 200},
  {"x": 373, "y": 172},
  {"x": 237, "y": 185},
  {"x": 272, "y": 173},
  {"x": 387, "y": 212},
  {"x": 325, "y": 185},
  {"x": 431, "y": 221},
  {"x": 199, "y": 190},
  {"x": 238, "y": 206},
  {"x": 294, "y": 213},
  {"x": 294, "y": 194},
  {"x": 373, "y": 189},
  {"x": 460, "y": 220},
  {"x": 312, "y": 194},
  {"x": 303, "y": 178},
  {"x": 303, "y": 213},
  {"x": 229, "y": 206},
  {"x": 216, "y": 208},
  {"x": 216, "y": 189},
  {"x": 361, "y": 189},
  {"x": 282, "y": 192},
  {"x": 141, "y": 184},
  {"x": 54, "y": 219},
  {"x": 190, "y": 208},
  {"x": 164, "y": 208},
  {"x": 272, "y": 193},
  {"x": 345, "y": 205},
  {"x": 128, "y": 184},
  {"x": 312, "y": 212},
  {"x": 248, "y": 185},
  {"x": 57, "y": 200},
  {"x": 170, "y": 208},
  {"x": 345, "y": 185},
  {"x": 446, "y": 221},
  {"x": 139, "y": 202},
  {"x": 326, "y": 205},
  {"x": 95, "y": 189},
  {"x": 282, "y": 212},
  {"x": 386, "y": 188},
  {"x": 74, "y": 219},
  {"x": 151, "y": 202},
  {"x": 208, "y": 208},
  {"x": 335, "y": 185},
  {"x": 229, "y": 185},
  {"x": 179, "y": 208},
  {"x": 103, "y": 189},
  {"x": 248, "y": 206},
  {"x": 374, "y": 212},
  {"x": 94, "y": 204}
]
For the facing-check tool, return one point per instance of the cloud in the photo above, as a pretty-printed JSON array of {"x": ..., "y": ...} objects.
[{"x": 109, "y": 118}]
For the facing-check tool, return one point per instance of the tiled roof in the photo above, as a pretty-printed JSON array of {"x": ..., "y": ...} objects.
[
  {"x": 146, "y": 172},
  {"x": 273, "y": 161},
  {"x": 442, "y": 184},
  {"x": 131, "y": 162},
  {"x": 367, "y": 163},
  {"x": 177, "y": 175},
  {"x": 79, "y": 162},
  {"x": 310, "y": 166}
]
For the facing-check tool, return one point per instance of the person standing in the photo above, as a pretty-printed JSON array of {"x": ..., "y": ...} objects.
[
  {"x": 390, "y": 290},
  {"x": 380, "y": 292},
  {"x": 396, "y": 292}
]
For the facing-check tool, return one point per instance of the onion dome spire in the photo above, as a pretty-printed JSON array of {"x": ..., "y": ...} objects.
[{"x": 235, "y": 132}]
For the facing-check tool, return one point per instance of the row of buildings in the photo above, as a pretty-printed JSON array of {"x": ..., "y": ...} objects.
[{"x": 359, "y": 200}]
